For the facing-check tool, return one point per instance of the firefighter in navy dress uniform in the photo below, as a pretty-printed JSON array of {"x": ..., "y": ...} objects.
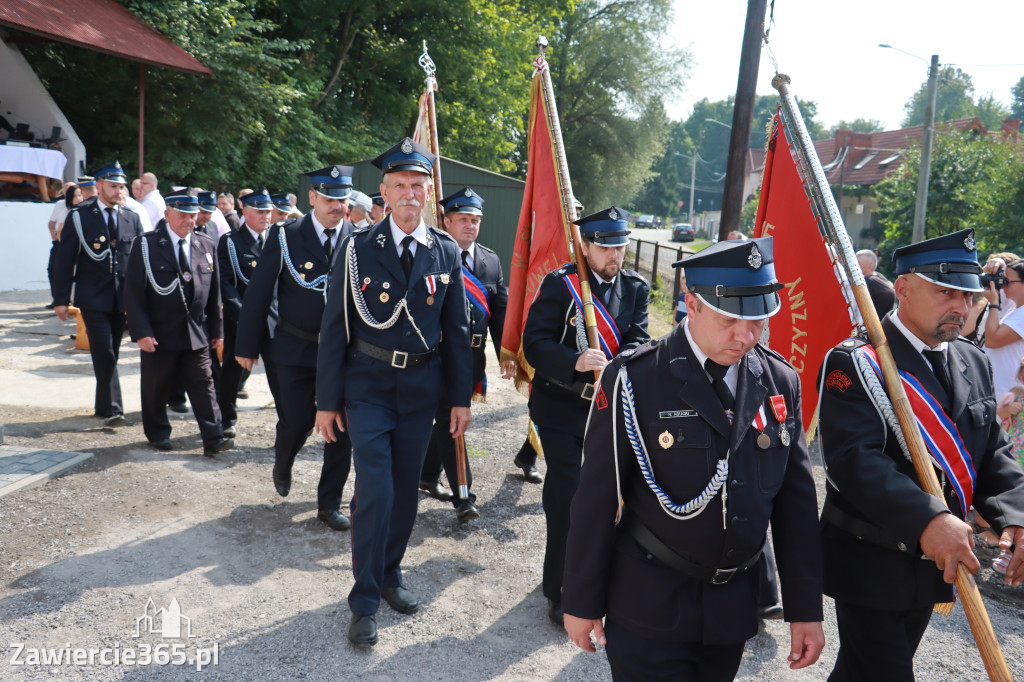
[
  {"x": 877, "y": 522},
  {"x": 293, "y": 266},
  {"x": 239, "y": 254},
  {"x": 555, "y": 344},
  {"x": 694, "y": 444},
  {"x": 92, "y": 256},
  {"x": 172, "y": 298},
  {"x": 486, "y": 299},
  {"x": 395, "y": 342}
]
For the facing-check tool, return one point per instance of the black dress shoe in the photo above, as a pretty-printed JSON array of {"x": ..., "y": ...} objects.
[
  {"x": 219, "y": 445},
  {"x": 400, "y": 599},
  {"x": 180, "y": 408},
  {"x": 243, "y": 394},
  {"x": 362, "y": 630},
  {"x": 436, "y": 490},
  {"x": 556, "y": 614},
  {"x": 334, "y": 518},
  {"x": 770, "y": 612},
  {"x": 230, "y": 432},
  {"x": 467, "y": 511},
  {"x": 282, "y": 482},
  {"x": 115, "y": 420},
  {"x": 530, "y": 473},
  {"x": 164, "y": 444}
]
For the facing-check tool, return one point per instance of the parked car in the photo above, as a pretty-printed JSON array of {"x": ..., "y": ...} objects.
[
  {"x": 645, "y": 221},
  {"x": 683, "y": 232}
]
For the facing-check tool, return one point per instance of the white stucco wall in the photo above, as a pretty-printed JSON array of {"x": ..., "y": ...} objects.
[
  {"x": 24, "y": 245},
  {"x": 27, "y": 101}
]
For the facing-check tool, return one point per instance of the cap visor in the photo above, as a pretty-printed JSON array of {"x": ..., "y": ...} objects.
[
  {"x": 756, "y": 307},
  {"x": 209, "y": 209},
  {"x": 414, "y": 167},
  {"x": 333, "y": 193},
  {"x": 185, "y": 209},
  {"x": 472, "y": 210},
  {"x": 963, "y": 281}
]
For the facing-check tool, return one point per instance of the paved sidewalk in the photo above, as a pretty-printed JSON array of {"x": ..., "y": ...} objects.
[{"x": 26, "y": 467}]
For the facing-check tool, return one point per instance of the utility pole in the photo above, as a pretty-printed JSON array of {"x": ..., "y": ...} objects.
[
  {"x": 693, "y": 180},
  {"x": 921, "y": 207},
  {"x": 742, "y": 118}
]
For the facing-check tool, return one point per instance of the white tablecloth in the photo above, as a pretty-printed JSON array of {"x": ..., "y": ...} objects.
[{"x": 46, "y": 162}]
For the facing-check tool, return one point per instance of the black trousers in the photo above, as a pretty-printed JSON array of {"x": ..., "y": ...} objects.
[
  {"x": 872, "y": 640},
  {"x": 105, "y": 331},
  {"x": 564, "y": 454},
  {"x": 160, "y": 369},
  {"x": 296, "y": 400},
  {"x": 633, "y": 657},
  {"x": 441, "y": 452},
  {"x": 527, "y": 455},
  {"x": 49, "y": 266}
]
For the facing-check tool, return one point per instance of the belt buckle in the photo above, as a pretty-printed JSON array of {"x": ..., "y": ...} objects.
[
  {"x": 397, "y": 356},
  {"x": 723, "y": 575},
  {"x": 588, "y": 392},
  {"x": 477, "y": 340}
]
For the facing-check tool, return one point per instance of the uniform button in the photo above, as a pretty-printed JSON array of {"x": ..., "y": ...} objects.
[
  {"x": 650, "y": 557},
  {"x": 408, "y": 333},
  {"x": 901, "y": 547},
  {"x": 734, "y": 520},
  {"x": 736, "y": 483},
  {"x": 730, "y": 553}
]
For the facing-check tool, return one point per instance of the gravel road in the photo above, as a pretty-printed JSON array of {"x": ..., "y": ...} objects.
[{"x": 263, "y": 583}]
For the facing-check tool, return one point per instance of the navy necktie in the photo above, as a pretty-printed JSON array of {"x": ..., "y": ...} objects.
[
  {"x": 407, "y": 256},
  {"x": 328, "y": 249},
  {"x": 937, "y": 359},
  {"x": 718, "y": 373}
]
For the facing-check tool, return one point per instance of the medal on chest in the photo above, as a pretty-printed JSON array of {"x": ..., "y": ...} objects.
[
  {"x": 764, "y": 441},
  {"x": 431, "y": 283}
]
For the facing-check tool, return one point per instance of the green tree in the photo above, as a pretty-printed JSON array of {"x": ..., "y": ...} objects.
[
  {"x": 954, "y": 98},
  {"x": 975, "y": 181},
  {"x": 991, "y": 112},
  {"x": 1017, "y": 108},
  {"x": 858, "y": 125},
  {"x": 610, "y": 86}
]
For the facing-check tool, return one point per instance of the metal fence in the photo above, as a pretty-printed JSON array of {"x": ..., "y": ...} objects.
[{"x": 654, "y": 261}]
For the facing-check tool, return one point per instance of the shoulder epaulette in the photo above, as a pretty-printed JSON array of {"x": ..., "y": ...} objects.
[
  {"x": 852, "y": 343},
  {"x": 631, "y": 354},
  {"x": 772, "y": 352},
  {"x": 633, "y": 274},
  {"x": 440, "y": 233},
  {"x": 566, "y": 269},
  {"x": 484, "y": 248}
]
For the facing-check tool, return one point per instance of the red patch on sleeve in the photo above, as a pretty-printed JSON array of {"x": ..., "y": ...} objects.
[
  {"x": 601, "y": 400},
  {"x": 837, "y": 380}
]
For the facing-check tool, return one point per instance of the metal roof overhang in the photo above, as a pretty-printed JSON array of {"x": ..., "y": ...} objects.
[{"x": 99, "y": 25}]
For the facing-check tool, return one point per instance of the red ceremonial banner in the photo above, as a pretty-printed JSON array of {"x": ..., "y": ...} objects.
[
  {"x": 814, "y": 316},
  {"x": 541, "y": 244}
]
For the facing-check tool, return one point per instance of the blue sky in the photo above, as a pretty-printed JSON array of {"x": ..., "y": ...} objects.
[{"x": 831, "y": 52}]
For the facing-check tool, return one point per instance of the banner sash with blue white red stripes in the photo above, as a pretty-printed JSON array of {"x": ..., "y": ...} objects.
[
  {"x": 607, "y": 331},
  {"x": 477, "y": 293},
  {"x": 939, "y": 432}
]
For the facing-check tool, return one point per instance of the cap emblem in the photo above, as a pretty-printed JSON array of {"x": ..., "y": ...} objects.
[
  {"x": 754, "y": 259},
  {"x": 969, "y": 243},
  {"x": 613, "y": 214},
  {"x": 406, "y": 146},
  {"x": 117, "y": 165},
  {"x": 469, "y": 192},
  {"x": 334, "y": 172}
]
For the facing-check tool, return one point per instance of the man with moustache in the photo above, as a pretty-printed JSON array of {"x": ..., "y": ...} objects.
[
  {"x": 487, "y": 298},
  {"x": 239, "y": 253},
  {"x": 555, "y": 345},
  {"x": 694, "y": 445},
  {"x": 396, "y": 338},
  {"x": 172, "y": 298},
  {"x": 890, "y": 548},
  {"x": 295, "y": 262},
  {"x": 93, "y": 255}
]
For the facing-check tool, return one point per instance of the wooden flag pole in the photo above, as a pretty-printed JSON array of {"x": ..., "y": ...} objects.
[{"x": 974, "y": 607}]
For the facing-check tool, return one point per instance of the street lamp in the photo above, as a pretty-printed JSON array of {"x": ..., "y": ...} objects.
[
  {"x": 724, "y": 125},
  {"x": 921, "y": 207},
  {"x": 693, "y": 166}
]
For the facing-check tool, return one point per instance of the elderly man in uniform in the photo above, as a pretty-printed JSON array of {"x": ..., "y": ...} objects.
[
  {"x": 93, "y": 254},
  {"x": 878, "y": 525},
  {"x": 396, "y": 337},
  {"x": 296, "y": 261},
  {"x": 695, "y": 444},
  {"x": 555, "y": 344},
  {"x": 487, "y": 298},
  {"x": 239, "y": 254},
  {"x": 172, "y": 297}
]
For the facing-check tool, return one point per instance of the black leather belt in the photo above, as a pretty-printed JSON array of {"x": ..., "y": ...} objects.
[
  {"x": 860, "y": 529},
  {"x": 396, "y": 358},
  {"x": 580, "y": 388},
  {"x": 284, "y": 324},
  {"x": 477, "y": 340},
  {"x": 713, "y": 576}
]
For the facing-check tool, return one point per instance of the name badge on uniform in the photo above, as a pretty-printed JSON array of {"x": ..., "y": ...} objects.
[{"x": 675, "y": 414}]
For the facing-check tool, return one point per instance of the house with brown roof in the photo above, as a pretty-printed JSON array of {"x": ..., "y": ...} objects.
[{"x": 854, "y": 162}]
